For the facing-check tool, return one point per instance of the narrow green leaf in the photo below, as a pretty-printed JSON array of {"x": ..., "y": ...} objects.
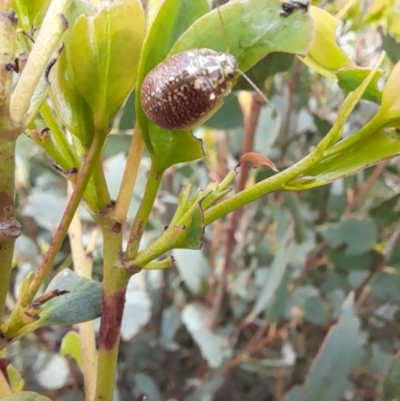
[
  {"x": 25, "y": 396},
  {"x": 71, "y": 345},
  {"x": 67, "y": 308},
  {"x": 338, "y": 355},
  {"x": 391, "y": 387},
  {"x": 105, "y": 53},
  {"x": 366, "y": 152},
  {"x": 350, "y": 78}
]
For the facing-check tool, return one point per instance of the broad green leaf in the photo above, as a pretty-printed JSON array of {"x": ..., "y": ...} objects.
[
  {"x": 275, "y": 276},
  {"x": 67, "y": 309},
  {"x": 338, "y": 355},
  {"x": 325, "y": 56},
  {"x": 16, "y": 381},
  {"x": 105, "y": 53},
  {"x": 357, "y": 235},
  {"x": 25, "y": 396},
  {"x": 350, "y": 78},
  {"x": 391, "y": 387},
  {"x": 366, "y": 152},
  {"x": 71, "y": 107},
  {"x": 71, "y": 346},
  {"x": 173, "y": 18},
  {"x": 387, "y": 212}
]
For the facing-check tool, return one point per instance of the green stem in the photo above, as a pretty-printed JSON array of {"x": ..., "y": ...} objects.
[
  {"x": 143, "y": 214},
  {"x": 10, "y": 229},
  {"x": 115, "y": 282},
  {"x": 52, "y": 28},
  {"x": 82, "y": 181}
]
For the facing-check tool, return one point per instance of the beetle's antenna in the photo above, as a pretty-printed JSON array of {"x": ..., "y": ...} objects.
[
  {"x": 222, "y": 26},
  {"x": 254, "y": 86}
]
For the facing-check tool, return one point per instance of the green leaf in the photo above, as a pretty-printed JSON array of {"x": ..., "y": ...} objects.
[
  {"x": 68, "y": 308},
  {"x": 173, "y": 18},
  {"x": 387, "y": 212},
  {"x": 342, "y": 261},
  {"x": 327, "y": 379},
  {"x": 25, "y": 396},
  {"x": 275, "y": 276},
  {"x": 391, "y": 47},
  {"x": 228, "y": 116},
  {"x": 350, "y": 78},
  {"x": 71, "y": 345},
  {"x": 105, "y": 54},
  {"x": 16, "y": 381},
  {"x": 391, "y": 387},
  {"x": 270, "y": 65},
  {"x": 325, "y": 56},
  {"x": 30, "y": 12},
  {"x": 250, "y": 30},
  {"x": 356, "y": 235}
]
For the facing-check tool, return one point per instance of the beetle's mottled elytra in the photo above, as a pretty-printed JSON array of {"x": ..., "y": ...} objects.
[{"x": 185, "y": 90}]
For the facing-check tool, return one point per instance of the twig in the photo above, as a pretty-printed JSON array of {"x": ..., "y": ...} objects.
[
  {"x": 247, "y": 146},
  {"x": 83, "y": 267},
  {"x": 129, "y": 177}
]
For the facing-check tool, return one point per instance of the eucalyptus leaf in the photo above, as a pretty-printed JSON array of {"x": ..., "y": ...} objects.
[
  {"x": 67, "y": 309},
  {"x": 336, "y": 359}
]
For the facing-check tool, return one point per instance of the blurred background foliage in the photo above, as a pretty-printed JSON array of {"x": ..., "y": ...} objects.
[{"x": 294, "y": 297}]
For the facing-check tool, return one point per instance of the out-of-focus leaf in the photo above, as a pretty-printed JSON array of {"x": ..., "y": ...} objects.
[
  {"x": 343, "y": 261},
  {"x": 171, "y": 321},
  {"x": 16, "y": 381},
  {"x": 146, "y": 385},
  {"x": 128, "y": 117},
  {"x": 67, "y": 308},
  {"x": 336, "y": 358},
  {"x": 51, "y": 371},
  {"x": 393, "y": 22},
  {"x": 385, "y": 286},
  {"x": 46, "y": 208},
  {"x": 193, "y": 268},
  {"x": 377, "y": 11},
  {"x": 273, "y": 64},
  {"x": 294, "y": 394},
  {"x": 25, "y": 396},
  {"x": 137, "y": 310},
  {"x": 105, "y": 53},
  {"x": 214, "y": 347},
  {"x": 71, "y": 346},
  {"x": 228, "y": 116},
  {"x": 325, "y": 56},
  {"x": 391, "y": 47},
  {"x": 358, "y": 235},
  {"x": 116, "y": 144},
  {"x": 350, "y": 78},
  {"x": 294, "y": 207},
  {"x": 314, "y": 310},
  {"x": 391, "y": 388},
  {"x": 387, "y": 212},
  {"x": 275, "y": 276}
]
